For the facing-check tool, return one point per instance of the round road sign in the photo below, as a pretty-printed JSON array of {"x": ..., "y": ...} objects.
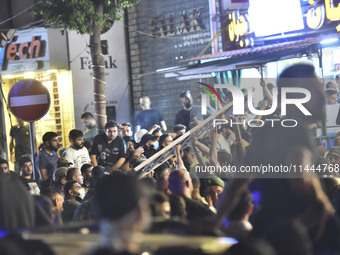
[{"x": 29, "y": 100}]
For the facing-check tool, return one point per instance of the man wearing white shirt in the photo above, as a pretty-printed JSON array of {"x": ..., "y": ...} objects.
[{"x": 77, "y": 154}]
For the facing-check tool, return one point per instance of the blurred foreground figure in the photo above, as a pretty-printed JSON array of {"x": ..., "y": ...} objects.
[
  {"x": 18, "y": 209},
  {"x": 123, "y": 213},
  {"x": 283, "y": 198}
]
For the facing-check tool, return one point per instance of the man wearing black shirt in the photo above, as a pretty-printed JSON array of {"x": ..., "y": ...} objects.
[{"x": 108, "y": 149}]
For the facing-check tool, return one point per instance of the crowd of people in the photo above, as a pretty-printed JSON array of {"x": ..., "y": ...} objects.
[{"x": 95, "y": 179}]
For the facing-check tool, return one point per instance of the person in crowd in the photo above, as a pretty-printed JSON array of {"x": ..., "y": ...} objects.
[
  {"x": 26, "y": 170},
  {"x": 86, "y": 172},
  {"x": 213, "y": 188},
  {"x": 331, "y": 96},
  {"x": 162, "y": 183},
  {"x": 161, "y": 169},
  {"x": 74, "y": 174},
  {"x": 130, "y": 153},
  {"x": 19, "y": 144},
  {"x": 160, "y": 206},
  {"x": 127, "y": 129},
  {"x": 18, "y": 208},
  {"x": 77, "y": 154},
  {"x": 148, "y": 117},
  {"x": 84, "y": 211},
  {"x": 333, "y": 156},
  {"x": 148, "y": 141},
  {"x": 47, "y": 159},
  {"x": 177, "y": 207},
  {"x": 121, "y": 220},
  {"x": 56, "y": 197},
  {"x": 109, "y": 149},
  {"x": 180, "y": 184},
  {"x": 179, "y": 130},
  {"x": 59, "y": 178},
  {"x": 164, "y": 141},
  {"x": 72, "y": 193},
  {"x": 187, "y": 115},
  {"x": 239, "y": 226},
  {"x": 90, "y": 131},
  {"x": 4, "y": 167},
  {"x": 302, "y": 199},
  {"x": 332, "y": 85}
]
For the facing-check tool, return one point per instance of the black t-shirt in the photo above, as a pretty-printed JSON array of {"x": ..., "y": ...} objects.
[
  {"x": 147, "y": 118},
  {"x": 22, "y": 140},
  {"x": 108, "y": 153},
  {"x": 183, "y": 117},
  {"x": 197, "y": 210}
]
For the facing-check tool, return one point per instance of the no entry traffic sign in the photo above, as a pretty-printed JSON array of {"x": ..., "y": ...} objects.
[{"x": 29, "y": 100}]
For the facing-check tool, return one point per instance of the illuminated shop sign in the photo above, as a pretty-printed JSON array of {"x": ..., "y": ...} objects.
[
  {"x": 25, "y": 52},
  {"x": 266, "y": 18},
  {"x": 171, "y": 25}
]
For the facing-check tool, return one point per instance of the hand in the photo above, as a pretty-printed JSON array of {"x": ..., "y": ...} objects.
[
  {"x": 138, "y": 151},
  {"x": 178, "y": 148},
  {"x": 214, "y": 134},
  {"x": 264, "y": 104},
  {"x": 231, "y": 134},
  {"x": 13, "y": 159},
  {"x": 154, "y": 127},
  {"x": 262, "y": 83},
  {"x": 209, "y": 200}
]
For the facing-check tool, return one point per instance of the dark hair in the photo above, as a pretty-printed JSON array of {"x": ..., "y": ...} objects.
[
  {"x": 184, "y": 93},
  {"x": 328, "y": 84},
  {"x": 111, "y": 124},
  {"x": 68, "y": 186},
  {"x": 161, "y": 170},
  {"x": 179, "y": 127},
  {"x": 23, "y": 160},
  {"x": 75, "y": 133},
  {"x": 223, "y": 156},
  {"x": 177, "y": 205},
  {"x": 87, "y": 115},
  {"x": 109, "y": 191},
  {"x": 84, "y": 168},
  {"x": 156, "y": 199},
  {"x": 126, "y": 124},
  {"x": 330, "y": 92},
  {"x": 3, "y": 161},
  {"x": 48, "y": 136},
  {"x": 162, "y": 139},
  {"x": 241, "y": 209},
  {"x": 70, "y": 173}
]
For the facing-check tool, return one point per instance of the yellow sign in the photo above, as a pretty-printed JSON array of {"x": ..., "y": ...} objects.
[{"x": 333, "y": 13}]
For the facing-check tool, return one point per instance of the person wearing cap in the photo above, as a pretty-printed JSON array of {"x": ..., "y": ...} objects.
[
  {"x": 109, "y": 149},
  {"x": 189, "y": 112},
  {"x": 77, "y": 154},
  {"x": 148, "y": 117},
  {"x": 148, "y": 141},
  {"x": 59, "y": 178},
  {"x": 334, "y": 155},
  {"x": 214, "y": 187}
]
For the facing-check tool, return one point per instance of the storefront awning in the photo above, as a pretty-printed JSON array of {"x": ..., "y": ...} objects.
[{"x": 203, "y": 66}]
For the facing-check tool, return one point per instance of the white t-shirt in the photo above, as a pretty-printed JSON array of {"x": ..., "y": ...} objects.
[{"x": 77, "y": 157}]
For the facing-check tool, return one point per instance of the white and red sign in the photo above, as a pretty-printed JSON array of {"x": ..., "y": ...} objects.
[{"x": 29, "y": 100}]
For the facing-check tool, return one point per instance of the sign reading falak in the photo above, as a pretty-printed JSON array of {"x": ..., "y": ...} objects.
[{"x": 29, "y": 100}]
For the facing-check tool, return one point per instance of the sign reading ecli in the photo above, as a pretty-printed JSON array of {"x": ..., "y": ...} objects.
[{"x": 29, "y": 100}]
